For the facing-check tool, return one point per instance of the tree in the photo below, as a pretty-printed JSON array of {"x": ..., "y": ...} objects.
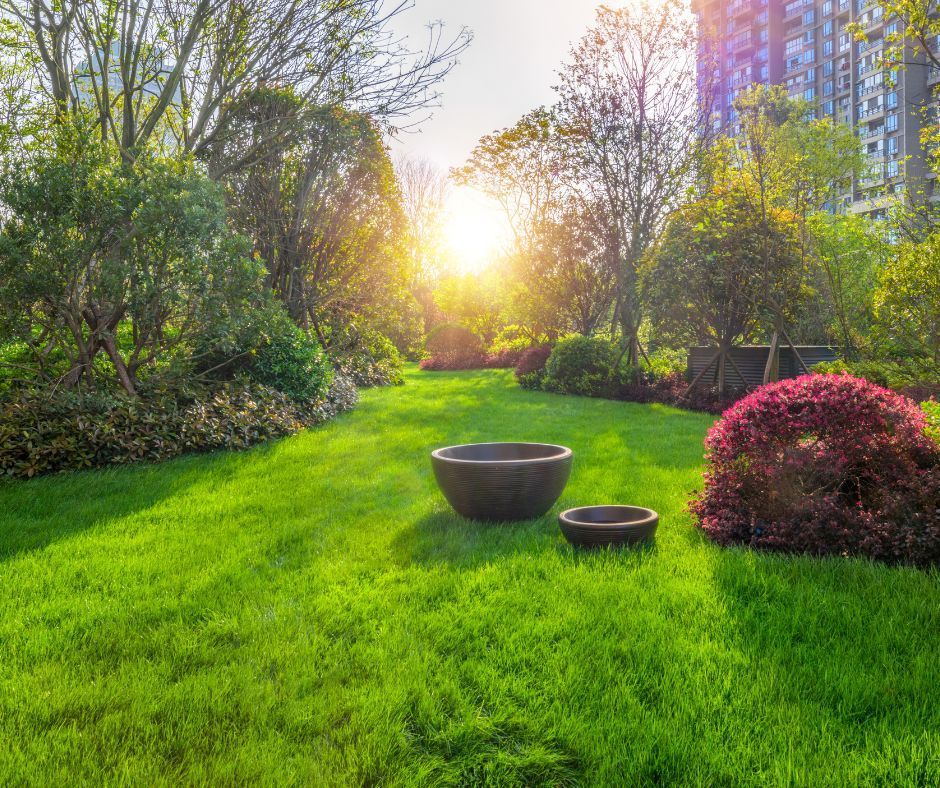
[
  {"x": 781, "y": 160},
  {"x": 153, "y": 72},
  {"x": 131, "y": 263},
  {"x": 521, "y": 169},
  {"x": 907, "y": 302},
  {"x": 715, "y": 274},
  {"x": 424, "y": 196},
  {"x": 629, "y": 101},
  {"x": 568, "y": 282},
  {"x": 324, "y": 211},
  {"x": 848, "y": 251}
]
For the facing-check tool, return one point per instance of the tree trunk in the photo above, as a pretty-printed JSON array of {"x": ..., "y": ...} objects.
[
  {"x": 771, "y": 357},
  {"x": 123, "y": 375}
]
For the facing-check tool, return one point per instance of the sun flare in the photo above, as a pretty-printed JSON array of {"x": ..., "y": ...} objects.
[{"x": 475, "y": 230}]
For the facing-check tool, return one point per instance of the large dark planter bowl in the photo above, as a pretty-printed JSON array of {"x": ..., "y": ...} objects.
[
  {"x": 599, "y": 526},
  {"x": 500, "y": 482}
]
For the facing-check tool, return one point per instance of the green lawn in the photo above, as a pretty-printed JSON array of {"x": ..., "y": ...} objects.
[{"x": 312, "y": 612}]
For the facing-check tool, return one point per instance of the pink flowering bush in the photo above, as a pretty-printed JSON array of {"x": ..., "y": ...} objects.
[{"x": 824, "y": 464}]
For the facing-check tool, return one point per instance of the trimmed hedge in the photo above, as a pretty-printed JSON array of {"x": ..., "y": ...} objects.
[
  {"x": 41, "y": 434},
  {"x": 827, "y": 465}
]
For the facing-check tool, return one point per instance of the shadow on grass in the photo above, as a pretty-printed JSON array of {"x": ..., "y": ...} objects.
[
  {"x": 447, "y": 538},
  {"x": 39, "y": 512},
  {"x": 849, "y": 636}
]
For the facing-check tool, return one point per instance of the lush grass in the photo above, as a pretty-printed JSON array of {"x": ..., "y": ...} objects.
[{"x": 311, "y": 612}]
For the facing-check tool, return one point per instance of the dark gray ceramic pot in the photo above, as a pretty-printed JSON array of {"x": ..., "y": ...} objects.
[
  {"x": 599, "y": 526},
  {"x": 501, "y": 482}
]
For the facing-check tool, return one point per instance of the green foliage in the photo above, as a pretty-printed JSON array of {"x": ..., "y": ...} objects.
[
  {"x": 291, "y": 362},
  {"x": 931, "y": 409},
  {"x": 849, "y": 250},
  {"x": 514, "y": 338},
  {"x": 907, "y": 303},
  {"x": 368, "y": 357},
  {"x": 42, "y": 432},
  {"x": 110, "y": 270},
  {"x": 721, "y": 270},
  {"x": 581, "y": 365},
  {"x": 665, "y": 362},
  {"x": 455, "y": 339}
]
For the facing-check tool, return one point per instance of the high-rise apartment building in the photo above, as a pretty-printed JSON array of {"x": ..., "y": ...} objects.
[{"x": 807, "y": 46}]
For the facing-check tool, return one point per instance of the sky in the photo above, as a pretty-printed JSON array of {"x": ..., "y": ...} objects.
[{"x": 509, "y": 69}]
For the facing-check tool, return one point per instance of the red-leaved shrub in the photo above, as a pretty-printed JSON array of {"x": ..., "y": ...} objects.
[
  {"x": 824, "y": 464},
  {"x": 506, "y": 358},
  {"x": 530, "y": 371},
  {"x": 444, "y": 362}
]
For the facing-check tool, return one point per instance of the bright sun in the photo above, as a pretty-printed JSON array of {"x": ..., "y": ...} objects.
[{"x": 475, "y": 230}]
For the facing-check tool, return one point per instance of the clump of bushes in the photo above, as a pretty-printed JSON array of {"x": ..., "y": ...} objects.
[
  {"x": 827, "y": 465},
  {"x": 292, "y": 363},
  {"x": 42, "y": 432},
  {"x": 588, "y": 366},
  {"x": 452, "y": 347},
  {"x": 582, "y": 365},
  {"x": 370, "y": 359},
  {"x": 530, "y": 371},
  {"x": 906, "y": 377}
]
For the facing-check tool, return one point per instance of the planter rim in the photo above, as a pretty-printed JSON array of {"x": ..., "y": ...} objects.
[
  {"x": 559, "y": 453},
  {"x": 570, "y": 516}
]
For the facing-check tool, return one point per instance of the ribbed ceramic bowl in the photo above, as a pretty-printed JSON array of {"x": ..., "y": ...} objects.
[
  {"x": 599, "y": 526},
  {"x": 501, "y": 482}
]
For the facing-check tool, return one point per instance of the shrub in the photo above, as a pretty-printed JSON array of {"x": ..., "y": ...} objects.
[
  {"x": 453, "y": 339},
  {"x": 823, "y": 464},
  {"x": 932, "y": 414},
  {"x": 530, "y": 371},
  {"x": 904, "y": 376},
  {"x": 452, "y": 362},
  {"x": 370, "y": 359},
  {"x": 581, "y": 365},
  {"x": 507, "y": 358},
  {"x": 453, "y": 347},
  {"x": 293, "y": 363},
  {"x": 42, "y": 433}
]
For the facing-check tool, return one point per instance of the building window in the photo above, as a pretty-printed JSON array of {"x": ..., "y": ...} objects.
[
  {"x": 809, "y": 94},
  {"x": 764, "y": 73},
  {"x": 809, "y": 17},
  {"x": 827, "y": 87},
  {"x": 827, "y": 108},
  {"x": 891, "y": 100},
  {"x": 892, "y": 145},
  {"x": 827, "y": 68},
  {"x": 827, "y": 28},
  {"x": 827, "y": 48},
  {"x": 891, "y": 123},
  {"x": 827, "y": 8}
]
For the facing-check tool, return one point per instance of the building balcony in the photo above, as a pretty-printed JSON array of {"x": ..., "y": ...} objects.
[
  {"x": 794, "y": 10},
  {"x": 871, "y": 113},
  {"x": 869, "y": 133},
  {"x": 867, "y": 91},
  {"x": 739, "y": 8},
  {"x": 737, "y": 46}
]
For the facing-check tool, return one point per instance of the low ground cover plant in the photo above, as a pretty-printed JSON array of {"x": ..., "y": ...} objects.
[
  {"x": 824, "y": 464},
  {"x": 44, "y": 433}
]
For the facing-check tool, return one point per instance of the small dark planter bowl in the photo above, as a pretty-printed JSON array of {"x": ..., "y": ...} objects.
[
  {"x": 600, "y": 526},
  {"x": 502, "y": 482}
]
